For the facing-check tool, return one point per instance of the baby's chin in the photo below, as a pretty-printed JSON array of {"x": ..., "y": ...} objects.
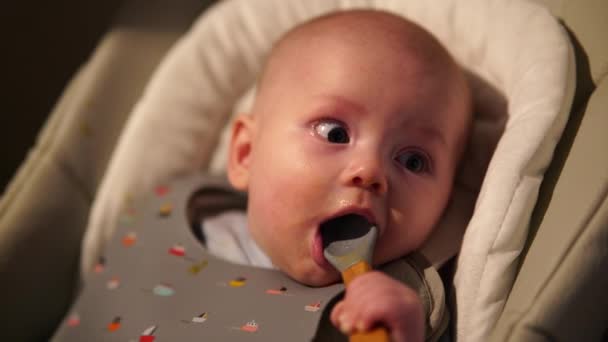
[
  {"x": 317, "y": 281},
  {"x": 313, "y": 276}
]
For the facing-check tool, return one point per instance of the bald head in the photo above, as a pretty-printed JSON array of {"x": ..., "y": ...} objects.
[{"x": 363, "y": 30}]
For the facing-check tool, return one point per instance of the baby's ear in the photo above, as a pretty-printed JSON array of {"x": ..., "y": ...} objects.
[{"x": 239, "y": 155}]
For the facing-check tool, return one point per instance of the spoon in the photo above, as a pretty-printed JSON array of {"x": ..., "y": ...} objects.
[{"x": 349, "y": 245}]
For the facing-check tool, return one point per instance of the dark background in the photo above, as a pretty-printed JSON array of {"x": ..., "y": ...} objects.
[{"x": 44, "y": 43}]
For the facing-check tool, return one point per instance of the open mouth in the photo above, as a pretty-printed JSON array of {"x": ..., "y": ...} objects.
[{"x": 346, "y": 227}]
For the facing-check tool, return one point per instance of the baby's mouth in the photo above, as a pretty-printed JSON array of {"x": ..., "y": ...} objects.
[{"x": 345, "y": 227}]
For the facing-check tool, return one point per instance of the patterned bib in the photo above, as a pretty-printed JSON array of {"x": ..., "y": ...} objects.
[{"x": 156, "y": 282}]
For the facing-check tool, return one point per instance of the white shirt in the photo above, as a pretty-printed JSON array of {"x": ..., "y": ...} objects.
[{"x": 227, "y": 237}]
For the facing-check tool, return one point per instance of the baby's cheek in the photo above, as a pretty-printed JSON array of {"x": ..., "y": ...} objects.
[
  {"x": 408, "y": 227},
  {"x": 271, "y": 210}
]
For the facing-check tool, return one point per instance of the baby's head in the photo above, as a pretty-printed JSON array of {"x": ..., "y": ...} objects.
[{"x": 356, "y": 112}]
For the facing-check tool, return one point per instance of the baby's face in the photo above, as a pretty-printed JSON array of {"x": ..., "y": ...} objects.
[{"x": 355, "y": 130}]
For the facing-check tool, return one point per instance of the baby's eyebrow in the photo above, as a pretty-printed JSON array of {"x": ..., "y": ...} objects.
[
  {"x": 433, "y": 134},
  {"x": 349, "y": 105}
]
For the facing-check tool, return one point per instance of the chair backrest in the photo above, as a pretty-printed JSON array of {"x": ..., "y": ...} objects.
[{"x": 560, "y": 291}]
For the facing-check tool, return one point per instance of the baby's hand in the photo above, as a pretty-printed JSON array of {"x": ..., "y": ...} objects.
[{"x": 376, "y": 299}]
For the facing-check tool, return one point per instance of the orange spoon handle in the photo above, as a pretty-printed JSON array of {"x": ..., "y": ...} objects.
[
  {"x": 377, "y": 334},
  {"x": 355, "y": 270}
]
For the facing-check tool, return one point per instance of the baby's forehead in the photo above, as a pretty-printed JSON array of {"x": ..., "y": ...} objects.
[
  {"x": 355, "y": 34},
  {"x": 364, "y": 29}
]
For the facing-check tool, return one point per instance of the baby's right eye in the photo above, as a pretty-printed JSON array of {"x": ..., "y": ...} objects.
[{"x": 332, "y": 130}]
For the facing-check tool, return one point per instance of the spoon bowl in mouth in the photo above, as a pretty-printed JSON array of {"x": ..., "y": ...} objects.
[{"x": 348, "y": 240}]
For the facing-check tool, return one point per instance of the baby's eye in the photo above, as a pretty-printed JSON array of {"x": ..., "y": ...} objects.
[
  {"x": 415, "y": 162},
  {"x": 333, "y": 131}
]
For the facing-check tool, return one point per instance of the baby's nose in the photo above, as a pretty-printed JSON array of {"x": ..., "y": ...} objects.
[
  {"x": 372, "y": 185},
  {"x": 368, "y": 175}
]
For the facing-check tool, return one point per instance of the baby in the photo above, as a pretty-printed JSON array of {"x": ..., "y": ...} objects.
[{"x": 358, "y": 112}]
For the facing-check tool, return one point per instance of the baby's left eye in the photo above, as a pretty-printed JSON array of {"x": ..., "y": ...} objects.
[
  {"x": 334, "y": 131},
  {"x": 415, "y": 162}
]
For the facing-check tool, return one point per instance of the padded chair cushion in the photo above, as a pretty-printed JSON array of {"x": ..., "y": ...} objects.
[{"x": 521, "y": 72}]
